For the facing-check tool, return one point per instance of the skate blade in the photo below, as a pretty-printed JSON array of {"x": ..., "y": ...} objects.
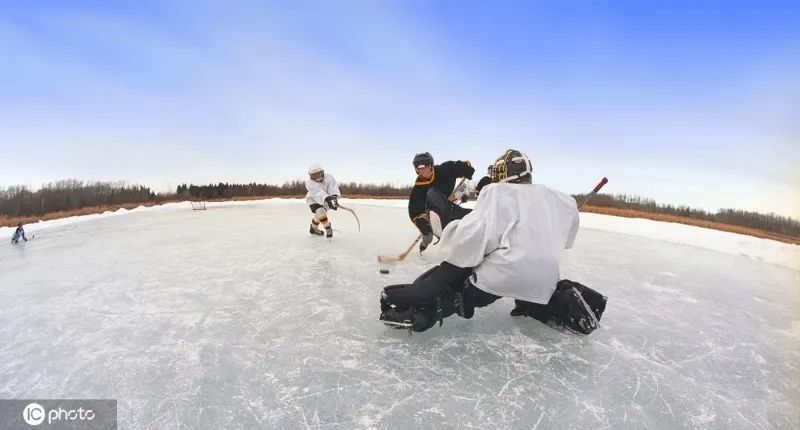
[
  {"x": 406, "y": 325},
  {"x": 397, "y": 324}
]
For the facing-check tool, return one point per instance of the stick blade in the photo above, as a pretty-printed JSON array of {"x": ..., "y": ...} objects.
[{"x": 386, "y": 259}]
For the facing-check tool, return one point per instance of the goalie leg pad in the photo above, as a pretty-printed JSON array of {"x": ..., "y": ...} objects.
[{"x": 573, "y": 306}]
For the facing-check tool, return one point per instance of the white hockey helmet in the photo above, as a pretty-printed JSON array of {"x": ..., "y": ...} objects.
[{"x": 315, "y": 172}]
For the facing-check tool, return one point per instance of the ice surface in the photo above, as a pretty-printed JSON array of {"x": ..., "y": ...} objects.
[{"x": 235, "y": 317}]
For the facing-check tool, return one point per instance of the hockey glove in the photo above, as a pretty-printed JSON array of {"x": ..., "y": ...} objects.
[
  {"x": 423, "y": 225},
  {"x": 427, "y": 238},
  {"x": 333, "y": 204},
  {"x": 470, "y": 172}
]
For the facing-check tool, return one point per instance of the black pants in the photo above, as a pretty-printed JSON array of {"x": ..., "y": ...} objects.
[
  {"x": 447, "y": 211},
  {"x": 442, "y": 290},
  {"x": 434, "y": 283},
  {"x": 438, "y": 293}
]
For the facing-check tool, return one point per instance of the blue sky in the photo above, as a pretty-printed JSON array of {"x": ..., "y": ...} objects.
[{"x": 692, "y": 102}]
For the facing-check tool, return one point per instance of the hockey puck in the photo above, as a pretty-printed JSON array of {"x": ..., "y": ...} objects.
[{"x": 385, "y": 271}]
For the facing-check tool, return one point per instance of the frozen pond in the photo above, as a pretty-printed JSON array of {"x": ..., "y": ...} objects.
[{"x": 235, "y": 317}]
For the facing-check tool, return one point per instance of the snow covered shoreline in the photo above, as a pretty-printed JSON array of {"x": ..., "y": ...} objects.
[{"x": 766, "y": 250}]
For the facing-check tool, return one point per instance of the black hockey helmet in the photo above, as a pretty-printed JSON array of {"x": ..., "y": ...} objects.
[
  {"x": 423, "y": 159},
  {"x": 513, "y": 166}
]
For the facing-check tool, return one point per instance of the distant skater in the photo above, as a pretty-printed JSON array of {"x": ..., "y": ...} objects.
[{"x": 19, "y": 233}]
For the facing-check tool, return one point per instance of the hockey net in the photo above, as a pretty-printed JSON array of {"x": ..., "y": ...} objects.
[{"x": 198, "y": 206}]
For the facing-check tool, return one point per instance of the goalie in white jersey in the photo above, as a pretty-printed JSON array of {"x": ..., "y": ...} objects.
[
  {"x": 323, "y": 194},
  {"x": 508, "y": 246}
]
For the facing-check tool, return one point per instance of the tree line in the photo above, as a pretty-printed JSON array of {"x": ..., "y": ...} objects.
[
  {"x": 768, "y": 222},
  {"x": 224, "y": 190},
  {"x": 72, "y": 194}
]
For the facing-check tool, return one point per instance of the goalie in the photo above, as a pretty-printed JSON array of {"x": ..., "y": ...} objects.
[{"x": 508, "y": 246}]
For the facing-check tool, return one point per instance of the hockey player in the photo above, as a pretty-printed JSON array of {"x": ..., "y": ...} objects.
[
  {"x": 508, "y": 246},
  {"x": 434, "y": 182},
  {"x": 19, "y": 233},
  {"x": 323, "y": 194},
  {"x": 486, "y": 180}
]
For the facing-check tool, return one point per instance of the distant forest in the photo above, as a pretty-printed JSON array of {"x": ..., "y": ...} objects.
[
  {"x": 768, "y": 222},
  {"x": 68, "y": 195},
  {"x": 291, "y": 188}
]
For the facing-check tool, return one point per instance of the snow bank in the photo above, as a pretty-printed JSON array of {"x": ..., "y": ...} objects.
[
  {"x": 770, "y": 251},
  {"x": 32, "y": 228},
  {"x": 766, "y": 250}
]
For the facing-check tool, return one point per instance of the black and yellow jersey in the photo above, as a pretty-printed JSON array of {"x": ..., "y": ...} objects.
[{"x": 444, "y": 179}]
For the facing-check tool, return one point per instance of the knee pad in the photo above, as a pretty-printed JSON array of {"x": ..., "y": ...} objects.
[
  {"x": 385, "y": 303},
  {"x": 388, "y": 296},
  {"x": 422, "y": 318},
  {"x": 595, "y": 301},
  {"x": 321, "y": 215},
  {"x": 576, "y": 307},
  {"x": 415, "y": 318}
]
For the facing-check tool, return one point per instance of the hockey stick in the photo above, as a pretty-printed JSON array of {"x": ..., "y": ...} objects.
[
  {"x": 593, "y": 192},
  {"x": 354, "y": 214},
  {"x": 387, "y": 259}
]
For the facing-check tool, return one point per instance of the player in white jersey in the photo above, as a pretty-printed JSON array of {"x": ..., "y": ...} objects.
[{"x": 323, "y": 194}]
